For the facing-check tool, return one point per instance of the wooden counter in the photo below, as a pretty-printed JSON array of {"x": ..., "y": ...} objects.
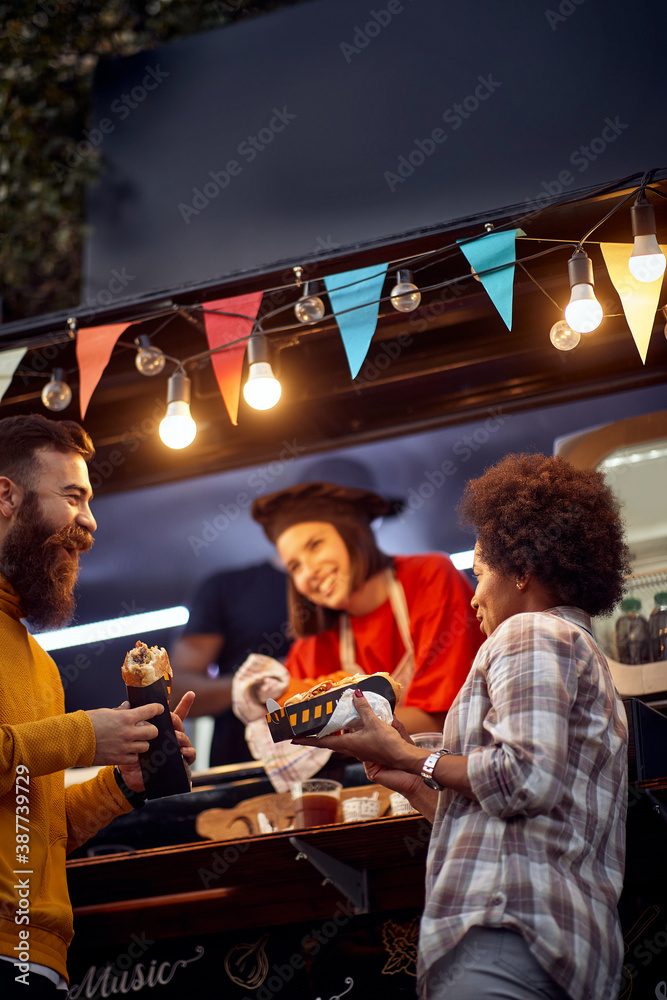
[
  {"x": 215, "y": 886},
  {"x": 258, "y": 915},
  {"x": 319, "y": 913}
]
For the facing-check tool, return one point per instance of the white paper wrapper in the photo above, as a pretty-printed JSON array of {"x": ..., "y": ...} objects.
[
  {"x": 346, "y": 717},
  {"x": 357, "y": 809},
  {"x": 400, "y": 806}
]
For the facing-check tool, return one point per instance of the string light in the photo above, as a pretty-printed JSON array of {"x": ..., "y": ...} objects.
[
  {"x": 583, "y": 313},
  {"x": 647, "y": 261},
  {"x": 562, "y": 337},
  {"x": 405, "y": 296},
  {"x": 149, "y": 360},
  {"x": 309, "y": 308},
  {"x": 262, "y": 390},
  {"x": 56, "y": 394},
  {"x": 177, "y": 428}
]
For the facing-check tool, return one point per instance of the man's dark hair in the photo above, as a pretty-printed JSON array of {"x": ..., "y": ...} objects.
[
  {"x": 22, "y": 436},
  {"x": 542, "y": 516}
]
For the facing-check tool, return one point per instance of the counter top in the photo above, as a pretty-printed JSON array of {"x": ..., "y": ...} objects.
[{"x": 264, "y": 880}]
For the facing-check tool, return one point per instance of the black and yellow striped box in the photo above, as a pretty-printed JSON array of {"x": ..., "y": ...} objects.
[{"x": 309, "y": 717}]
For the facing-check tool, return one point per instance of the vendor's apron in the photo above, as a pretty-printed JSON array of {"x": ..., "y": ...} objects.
[{"x": 406, "y": 667}]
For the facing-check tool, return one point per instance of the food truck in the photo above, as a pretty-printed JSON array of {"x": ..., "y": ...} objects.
[{"x": 391, "y": 242}]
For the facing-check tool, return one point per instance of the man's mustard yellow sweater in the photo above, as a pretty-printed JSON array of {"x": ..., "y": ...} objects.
[{"x": 37, "y": 742}]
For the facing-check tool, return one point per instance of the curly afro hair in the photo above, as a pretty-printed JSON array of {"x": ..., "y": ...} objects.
[{"x": 542, "y": 516}]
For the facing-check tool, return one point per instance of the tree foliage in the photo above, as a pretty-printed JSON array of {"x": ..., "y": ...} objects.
[{"x": 48, "y": 53}]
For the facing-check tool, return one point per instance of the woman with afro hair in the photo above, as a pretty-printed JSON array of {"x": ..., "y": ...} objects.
[{"x": 528, "y": 799}]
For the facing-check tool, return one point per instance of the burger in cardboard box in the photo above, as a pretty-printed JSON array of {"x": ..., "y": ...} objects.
[{"x": 311, "y": 713}]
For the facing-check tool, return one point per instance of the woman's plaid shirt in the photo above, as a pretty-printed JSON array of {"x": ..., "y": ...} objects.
[{"x": 543, "y": 848}]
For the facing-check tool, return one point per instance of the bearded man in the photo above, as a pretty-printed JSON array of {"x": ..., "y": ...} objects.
[{"x": 45, "y": 523}]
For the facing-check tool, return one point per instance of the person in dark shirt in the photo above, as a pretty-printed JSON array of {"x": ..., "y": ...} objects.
[{"x": 234, "y": 613}]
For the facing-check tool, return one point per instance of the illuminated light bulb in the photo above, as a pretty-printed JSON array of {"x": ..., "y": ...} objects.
[
  {"x": 262, "y": 390},
  {"x": 149, "y": 360},
  {"x": 583, "y": 313},
  {"x": 309, "y": 308},
  {"x": 405, "y": 296},
  {"x": 56, "y": 394},
  {"x": 177, "y": 428},
  {"x": 562, "y": 337},
  {"x": 647, "y": 261}
]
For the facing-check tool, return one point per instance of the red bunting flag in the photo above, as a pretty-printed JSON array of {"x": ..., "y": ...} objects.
[
  {"x": 224, "y": 329},
  {"x": 94, "y": 345}
]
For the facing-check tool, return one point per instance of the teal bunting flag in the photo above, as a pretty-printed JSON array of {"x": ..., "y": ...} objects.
[
  {"x": 495, "y": 250},
  {"x": 354, "y": 297}
]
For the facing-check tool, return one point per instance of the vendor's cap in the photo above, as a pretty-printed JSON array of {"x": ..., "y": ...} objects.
[{"x": 316, "y": 502}]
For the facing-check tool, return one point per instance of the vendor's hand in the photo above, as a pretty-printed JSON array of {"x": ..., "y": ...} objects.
[
  {"x": 267, "y": 687},
  {"x": 258, "y": 678},
  {"x": 376, "y": 742},
  {"x": 122, "y": 733}
]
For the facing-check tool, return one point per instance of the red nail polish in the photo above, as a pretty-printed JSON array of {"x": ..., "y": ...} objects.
[{"x": 358, "y": 693}]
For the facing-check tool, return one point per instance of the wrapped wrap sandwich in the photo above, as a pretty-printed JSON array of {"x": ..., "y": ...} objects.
[{"x": 147, "y": 674}]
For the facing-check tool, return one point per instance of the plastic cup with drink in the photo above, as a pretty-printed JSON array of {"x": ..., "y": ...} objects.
[
  {"x": 426, "y": 741},
  {"x": 315, "y": 802}
]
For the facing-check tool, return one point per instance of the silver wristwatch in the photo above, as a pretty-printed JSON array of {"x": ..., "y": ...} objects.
[{"x": 427, "y": 769}]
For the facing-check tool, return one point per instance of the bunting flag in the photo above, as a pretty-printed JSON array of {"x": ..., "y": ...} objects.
[
  {"x": 638, "y": 298},
  {"x": 9, "y": 362},
  {"x": 495, "y": 250},
  {"x": 358, "y": 291},
  {"x": 221, "y": 330},
  {"x": 94, "y": 345}
]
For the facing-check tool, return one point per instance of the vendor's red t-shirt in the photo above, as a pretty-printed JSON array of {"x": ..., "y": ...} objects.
[{"x": 445, "y": 635}]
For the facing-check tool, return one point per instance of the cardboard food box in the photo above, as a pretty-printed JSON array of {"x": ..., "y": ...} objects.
[{"x": 309, "y": 717}]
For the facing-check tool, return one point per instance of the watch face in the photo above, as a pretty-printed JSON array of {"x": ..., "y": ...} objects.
[
  {"x": 430, "y": 762},
  {"x": 427, "y": 770}
]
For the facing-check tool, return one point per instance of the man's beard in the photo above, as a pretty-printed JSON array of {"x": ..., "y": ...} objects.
[{"x": 33, "y": 563}]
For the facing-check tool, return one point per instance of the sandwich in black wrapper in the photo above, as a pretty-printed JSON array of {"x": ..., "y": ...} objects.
[{"x": 147, "y": 674}]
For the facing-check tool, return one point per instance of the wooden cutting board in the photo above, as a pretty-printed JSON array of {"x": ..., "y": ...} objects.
[{"x": 241, "y": 820}]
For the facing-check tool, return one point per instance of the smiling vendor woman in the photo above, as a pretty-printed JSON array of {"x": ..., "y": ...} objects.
[{"x": 353, "y": 608}]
